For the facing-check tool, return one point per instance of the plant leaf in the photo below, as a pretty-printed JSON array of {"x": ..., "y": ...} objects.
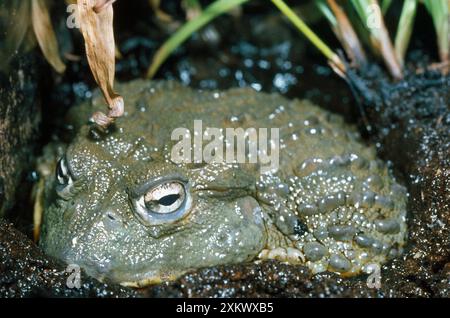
[
  {"x": 370, "y": 14},
  {"x": 344, "y": 31},
  {"x": 333, "y": 58},
  {"x": 385, "y": 5},
  {"x": 17, "y": 27},
  {"x": 213, "y": 10},
  {"x": 404, "y": 29},
  {"x": 45, "y": 34},
  {"x": 96, "y": 20},
  {"x": 160, "y": 14},
  {"x": 440, "y": 12},
  {"x": 327, "y": 13}
]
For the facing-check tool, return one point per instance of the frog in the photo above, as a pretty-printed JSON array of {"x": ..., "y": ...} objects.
[{"x": 121, "y": 207}]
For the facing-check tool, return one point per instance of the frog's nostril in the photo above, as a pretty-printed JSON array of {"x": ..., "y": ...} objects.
[
  {"x": 111, "y": 216},
  {"x": 112, "y": 221}
]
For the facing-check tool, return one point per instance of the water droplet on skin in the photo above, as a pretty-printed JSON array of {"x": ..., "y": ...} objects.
[
  {"x": 321, "y": 233},
  {"x": 314, "y": 251},
  {"x": 307, "y": 209},
  {"x": 339, "y": 263},
  {"x": 330, "y": 203},
  {"x": 363, "y": 240},
  {"x": 387, "y": 226},
  {"x": 342, "y": 232}
]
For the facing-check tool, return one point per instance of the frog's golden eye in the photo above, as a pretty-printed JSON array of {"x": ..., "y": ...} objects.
[
  {"x": 164, "y": 203},
  {"x": 63, "y": 176}
]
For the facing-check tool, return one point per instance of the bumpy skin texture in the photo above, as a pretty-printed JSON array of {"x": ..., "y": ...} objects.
[{"x": 331, "y": 204}]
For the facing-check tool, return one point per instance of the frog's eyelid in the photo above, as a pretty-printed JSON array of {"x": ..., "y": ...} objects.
[
  {"x": 63, "y": 171},
  {"x": 70, "y": 169},
  {"x": 64, "y": 163},
  {"x": 225, "y": 191},
  {"x": 140, "y": 190},
  {"x": 63, "y": 166}
]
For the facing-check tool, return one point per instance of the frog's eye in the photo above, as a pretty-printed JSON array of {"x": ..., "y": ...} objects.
[
  {"x": 63, "y": 177},
  {"x": 164, "y": 203}
]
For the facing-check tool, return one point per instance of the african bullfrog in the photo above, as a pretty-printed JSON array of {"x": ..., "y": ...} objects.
[{"x": 122, "y": 208}]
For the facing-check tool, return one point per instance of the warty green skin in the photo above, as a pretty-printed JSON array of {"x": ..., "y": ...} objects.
[{"x": 332, "y": 205}]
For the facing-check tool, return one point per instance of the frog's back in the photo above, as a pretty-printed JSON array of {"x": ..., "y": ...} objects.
[{"x": 155, "y": 109}]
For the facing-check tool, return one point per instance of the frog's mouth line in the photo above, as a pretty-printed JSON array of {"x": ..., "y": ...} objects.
[
  {"x": 154, "y": 280},
  {"x": 128, "y": 278}
]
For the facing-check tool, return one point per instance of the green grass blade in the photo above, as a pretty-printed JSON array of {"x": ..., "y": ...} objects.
[
  {"x": 370, "y": 14},
  {"x": 385, "y": 5},
  {"x": 404, "y": 29},
  {"x": 360, "y": 7},
  {"x": 365, "y": 10},
  {"x": 327, "y": 13},
  {"x": 212, "y": 11},
  {"x": 309, "y": 34},
  {"x": 439, "y": 10}
]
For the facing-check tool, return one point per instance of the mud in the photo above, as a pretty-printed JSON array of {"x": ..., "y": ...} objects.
[{"x": 27, "y": 272}]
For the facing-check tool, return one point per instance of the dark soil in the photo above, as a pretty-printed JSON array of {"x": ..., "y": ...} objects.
[
  {"x": 409, "y": 123},
  {"x": 20, "y": 119},
  {"x": 27, "y": 272}
]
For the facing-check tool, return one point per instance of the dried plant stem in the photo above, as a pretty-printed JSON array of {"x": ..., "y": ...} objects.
[
  {"x": 347, "y": 35},
  {"x": 45, "y": 35},
  {"x": 97, "y": 30},
  {"x": 370, "y": 13},
  {"x": 100, "y": 5}
]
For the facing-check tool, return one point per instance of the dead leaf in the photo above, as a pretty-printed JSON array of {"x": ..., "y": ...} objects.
[
  {"x": 161, "y": 15},
  {"x": 45, "y": 34},
  {"x": 17, "y": 27},
  {"x": 96, "y": 20}
]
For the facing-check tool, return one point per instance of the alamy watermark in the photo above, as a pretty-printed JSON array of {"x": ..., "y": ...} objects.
[
  {"x": 374, "y": 16},
  {"x": 72, "y": 21},
  {"x": 227, "y": 145},
  {"x": 74, "y": 279},
  {"x": 374, "y": 278}
]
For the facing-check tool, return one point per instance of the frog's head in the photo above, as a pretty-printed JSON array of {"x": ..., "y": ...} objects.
[{"x": 124, "y": 213}]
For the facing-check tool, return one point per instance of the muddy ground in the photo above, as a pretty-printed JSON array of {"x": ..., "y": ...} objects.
[{"x": 409, "y": 122}]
